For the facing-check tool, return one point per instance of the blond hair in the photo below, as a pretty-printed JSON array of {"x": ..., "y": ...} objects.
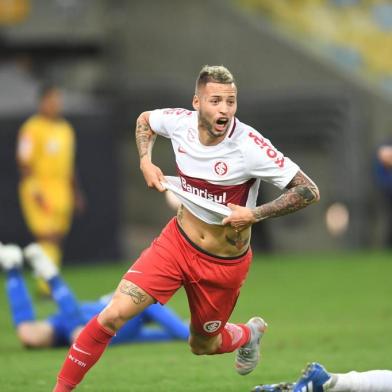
[{"x": 213, "y": 73}]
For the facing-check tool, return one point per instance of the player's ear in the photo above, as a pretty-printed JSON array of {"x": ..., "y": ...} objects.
[{"x": 196, "y": 102}]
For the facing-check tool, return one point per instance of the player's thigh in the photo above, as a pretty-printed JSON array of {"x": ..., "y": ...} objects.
[
  {"x": 212, "y": 297},
  {"x": 127, "y": 301},
  {"x": 61, "y": 222},
  {"x": 41, "y": 222},
  {"x": 62, "y": 210},
  {"x": 35, "y": 216}
]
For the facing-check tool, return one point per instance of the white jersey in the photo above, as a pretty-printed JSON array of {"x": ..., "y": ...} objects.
[{"x": 229, "y": 172}]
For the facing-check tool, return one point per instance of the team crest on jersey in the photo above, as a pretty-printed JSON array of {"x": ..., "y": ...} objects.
[
  {"x": 191, "y": 135},
  {"x": 212, "y": 326},
  {"x": 220, "y": 168}
]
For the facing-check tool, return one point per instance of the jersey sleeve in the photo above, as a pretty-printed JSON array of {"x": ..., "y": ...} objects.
[
  {"x": 268, "y": 163},
  {"x": 162, "y": 122},
  {"x": 26, "y": 145}
]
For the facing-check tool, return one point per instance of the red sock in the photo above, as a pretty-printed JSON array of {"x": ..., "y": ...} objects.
[
  {"x": 233, "y": 337},
  {"x": 86, "y": 350}
]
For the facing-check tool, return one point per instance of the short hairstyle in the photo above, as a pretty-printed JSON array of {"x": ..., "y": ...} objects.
[{"x": 214, "y": 73}]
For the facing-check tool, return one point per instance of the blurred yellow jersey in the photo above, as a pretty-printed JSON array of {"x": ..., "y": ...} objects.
[{"x": 47, "y": 148}]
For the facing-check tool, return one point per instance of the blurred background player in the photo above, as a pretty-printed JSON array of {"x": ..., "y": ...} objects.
[
  {"x": 61, "y": 328},
  {"x": 317, "y": 379},
  {"x": 48, "y": 188},
  {"x": 383, "y": 173}
]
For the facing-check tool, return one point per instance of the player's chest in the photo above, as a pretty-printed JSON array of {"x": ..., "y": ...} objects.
[
  {"x": 56, "y": 142},
  {"x": 211, "y": 164}
]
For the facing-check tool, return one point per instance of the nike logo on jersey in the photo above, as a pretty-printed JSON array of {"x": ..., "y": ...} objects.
[
  {"x": 181, "y": 150},
  {"x": 75, "y": 347},
  {"x": 134, "y": 271}
]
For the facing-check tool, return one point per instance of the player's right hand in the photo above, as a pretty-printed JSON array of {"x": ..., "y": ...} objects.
[{"x": 153, "y": 176}]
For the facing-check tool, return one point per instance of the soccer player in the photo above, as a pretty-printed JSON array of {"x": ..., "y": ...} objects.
[
  {"x": 317, "y": 379},
  {"x": 61, "y": 328},
  {"x": 48, "y": 187},
  {"x": 383, "y": 174},
  {"x": 220, "y": 163}
]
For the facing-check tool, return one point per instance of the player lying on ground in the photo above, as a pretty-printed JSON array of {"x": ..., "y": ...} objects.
[
  {"x": 316, "y": 379},
  {"x": 61, "y": 328}
]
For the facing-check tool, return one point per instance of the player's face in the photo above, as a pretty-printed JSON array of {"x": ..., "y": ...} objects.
[
  {"x": 51, "y": 104},
  {"x": 216, "y": 104}
]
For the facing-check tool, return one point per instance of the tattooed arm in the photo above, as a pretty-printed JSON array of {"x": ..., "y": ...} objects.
[
  {"x": 145, "y": 138},
  {"x": 136, "y": 294},
  {"x": 301, "y": 191}
]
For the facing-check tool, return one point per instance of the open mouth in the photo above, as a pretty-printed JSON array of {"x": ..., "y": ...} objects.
[{"x": 221, "y": 123}]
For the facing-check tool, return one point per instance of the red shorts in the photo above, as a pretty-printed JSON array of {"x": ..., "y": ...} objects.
[{"x": 212, "y": 283}]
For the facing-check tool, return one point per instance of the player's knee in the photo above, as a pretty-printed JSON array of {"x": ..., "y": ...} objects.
[
  {"x": 198, "y": 350},
  {"x": 112, "y": 318},
  {"x": 201, "y": 347}
]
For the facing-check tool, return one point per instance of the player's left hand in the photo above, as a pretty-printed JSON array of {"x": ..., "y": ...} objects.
[
  {"x": 153, "y": 175},
  {"x": 240, "y": 218}
]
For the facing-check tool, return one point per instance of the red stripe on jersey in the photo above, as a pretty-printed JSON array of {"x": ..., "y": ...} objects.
[
  {"x": 232, "y": 130},
  {"x": 222, "y": 194}
]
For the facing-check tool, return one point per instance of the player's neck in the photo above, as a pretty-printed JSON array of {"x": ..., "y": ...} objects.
[
  {"x": 49, "y": 117},
  {"x": 208, "y": 139}
]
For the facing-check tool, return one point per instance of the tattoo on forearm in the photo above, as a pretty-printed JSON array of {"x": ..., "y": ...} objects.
[
  {"x": 134, "y": 292},
  {"x": 301, "y": 192},
  {"x": 307, "y": 193},
  {"x": 237, "y": 241},
  {"x": 145, "y": 138}
]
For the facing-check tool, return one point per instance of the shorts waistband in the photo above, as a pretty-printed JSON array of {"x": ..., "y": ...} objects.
[{"x": 221, "y": 259}]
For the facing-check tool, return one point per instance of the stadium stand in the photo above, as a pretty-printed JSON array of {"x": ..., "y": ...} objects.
[{"x": 355, "y": 34}]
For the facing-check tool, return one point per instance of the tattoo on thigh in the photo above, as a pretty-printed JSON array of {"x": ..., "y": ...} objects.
[{"x": 133, "y": 291}]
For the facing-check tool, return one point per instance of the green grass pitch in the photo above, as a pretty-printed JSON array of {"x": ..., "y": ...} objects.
[{"x": 335, "y": 309}]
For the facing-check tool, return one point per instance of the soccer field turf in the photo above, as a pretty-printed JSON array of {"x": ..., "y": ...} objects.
[{"x": 335, "y": 309}]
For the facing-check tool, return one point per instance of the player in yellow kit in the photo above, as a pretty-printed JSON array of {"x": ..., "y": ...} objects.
[{"x": 48, "y": 189}]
